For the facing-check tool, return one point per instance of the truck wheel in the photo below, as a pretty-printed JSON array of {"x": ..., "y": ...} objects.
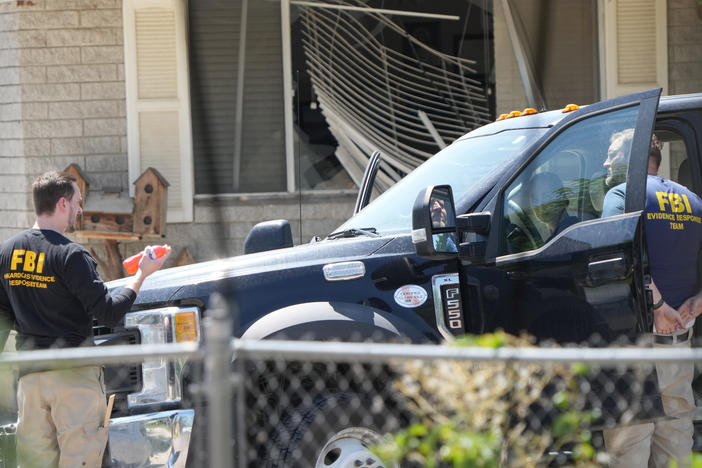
[{"x": 335, "y": 431}]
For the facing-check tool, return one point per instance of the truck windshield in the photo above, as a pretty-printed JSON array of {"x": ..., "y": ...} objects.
[{"x": 462, "y": 165}]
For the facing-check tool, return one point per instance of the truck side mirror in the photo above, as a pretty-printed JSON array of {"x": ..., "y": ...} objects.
[
  {"x": 434, "y": 223},
  {"x": 439, "y": 234}
]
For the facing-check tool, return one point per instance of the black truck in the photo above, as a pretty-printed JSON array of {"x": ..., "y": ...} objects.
[{"x": 460, "y": 245}]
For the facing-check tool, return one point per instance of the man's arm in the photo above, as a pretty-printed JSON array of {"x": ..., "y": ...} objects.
[
  {"x": 614, "y": 201},
  {"x": 85, "y": 283}
]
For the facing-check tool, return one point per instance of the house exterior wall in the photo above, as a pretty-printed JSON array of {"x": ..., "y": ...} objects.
[
  {"x": 509, "y": 93},
  {"x": 62, "y": 101},
  {"x": 14, "y": 202},
  {"x": 684, "y": 31},
  {"x": 562, "y": 43},
  {"x": 684, "y": 51},
  {"x": 62, "y": 95}
]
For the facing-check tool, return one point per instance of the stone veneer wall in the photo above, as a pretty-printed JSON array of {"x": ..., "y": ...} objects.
[
  {"x": 13, "y": 201},
  {"x": 61, "y": 97},
  {"x": 684, "y": 47}
]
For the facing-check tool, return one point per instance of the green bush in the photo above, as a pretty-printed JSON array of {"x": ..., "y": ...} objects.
[{"x": 490, "y": 414}]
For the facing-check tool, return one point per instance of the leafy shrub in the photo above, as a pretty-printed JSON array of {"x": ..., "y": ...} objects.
[{"x": 491, "y": 413}]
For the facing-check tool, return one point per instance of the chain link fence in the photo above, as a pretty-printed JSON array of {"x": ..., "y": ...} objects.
[{"x": 492, "y": 401}]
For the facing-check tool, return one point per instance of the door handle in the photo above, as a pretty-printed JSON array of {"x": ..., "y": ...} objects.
[
  {"x": 607, "y": 269},
  {"x": 517, "y": 275}
]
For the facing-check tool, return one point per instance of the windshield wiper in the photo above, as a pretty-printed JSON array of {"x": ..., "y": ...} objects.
[{"x": 354, "y": 232}]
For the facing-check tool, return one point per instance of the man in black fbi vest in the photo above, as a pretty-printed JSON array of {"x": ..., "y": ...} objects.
[{"x": 49, "y": 293}]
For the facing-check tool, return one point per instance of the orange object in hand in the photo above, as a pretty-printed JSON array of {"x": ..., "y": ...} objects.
[{"x": 131, "y": 265}]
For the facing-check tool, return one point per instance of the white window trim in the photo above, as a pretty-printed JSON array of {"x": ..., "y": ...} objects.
[
  {"x": 287, "y": 93},
  {"x": 134, "y": 106},
  {"x": 607, "y": 19}
]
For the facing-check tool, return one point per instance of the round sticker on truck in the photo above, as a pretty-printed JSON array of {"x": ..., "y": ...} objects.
[{"x": 410, "y": 296}]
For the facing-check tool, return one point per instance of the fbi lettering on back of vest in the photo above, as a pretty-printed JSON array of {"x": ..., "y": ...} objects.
[
  {"x": 674, "y": 201},
  {"x": 27, "y": 260}
]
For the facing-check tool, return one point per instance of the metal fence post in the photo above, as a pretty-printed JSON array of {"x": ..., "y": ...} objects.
[{"x": 218, "y": 332}]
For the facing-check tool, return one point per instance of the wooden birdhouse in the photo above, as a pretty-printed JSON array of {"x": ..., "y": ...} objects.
[
  {"x": 105, "y": 215},
  {"x": 150, "y": 203},
  {"x": 112, "y": 215}
]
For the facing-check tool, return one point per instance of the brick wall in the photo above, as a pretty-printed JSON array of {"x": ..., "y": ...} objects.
[
  {"x": 12, "y": 166},
  {"x": 61, "y": 97},
  {"x": 684, "y": 50}
]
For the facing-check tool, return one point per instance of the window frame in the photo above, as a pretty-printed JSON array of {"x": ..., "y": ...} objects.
[{"x": 181, "y": 104}]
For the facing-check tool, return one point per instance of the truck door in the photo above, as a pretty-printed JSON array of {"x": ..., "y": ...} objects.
[{"x": 562, "y": 268}]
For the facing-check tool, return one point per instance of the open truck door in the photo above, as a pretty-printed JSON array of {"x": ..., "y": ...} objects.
[{"x": 537, "y": 255}]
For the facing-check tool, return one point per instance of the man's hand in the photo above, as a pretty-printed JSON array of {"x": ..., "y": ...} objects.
[
  {"x": 691, "y": 308},
  {"x": 147, "y": 265},
  {"x": 667, "y": 320}
]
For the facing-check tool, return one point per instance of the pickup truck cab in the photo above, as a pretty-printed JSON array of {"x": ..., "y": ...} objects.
[{"x": 392, "y": 271}]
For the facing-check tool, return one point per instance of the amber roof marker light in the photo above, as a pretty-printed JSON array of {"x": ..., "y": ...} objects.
[
  {"x": 516, "y": 113},
  {"x": 571, "y": 108}
]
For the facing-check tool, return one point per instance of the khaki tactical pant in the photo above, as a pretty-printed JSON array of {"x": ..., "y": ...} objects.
[
  {"x": 655, "y": 444},
  {"x": 61, "y": 414}
]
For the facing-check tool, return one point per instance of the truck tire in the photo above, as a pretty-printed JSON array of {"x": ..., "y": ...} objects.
[{"x": 335, "y": 431}]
